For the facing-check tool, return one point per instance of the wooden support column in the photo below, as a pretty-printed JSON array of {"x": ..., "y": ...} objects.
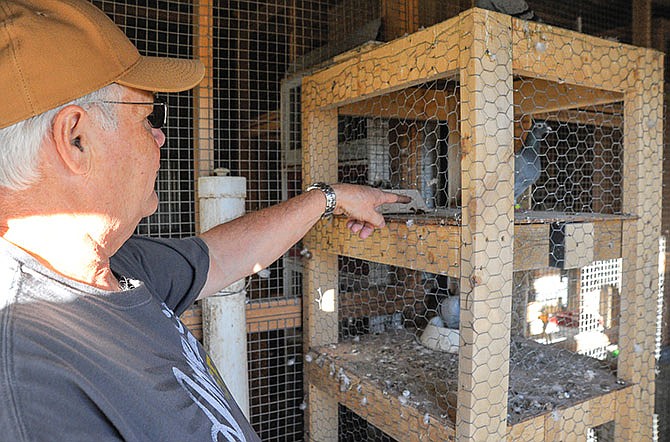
[
  {"x": 641, "y": 22},
  {"x": 242, "y": 105},
  {"x": 203, "y": 97},
  {"x": 399, "y": 17},
  {"x": 321, "y": 271},
  {"x": 487, "y": 142},
  {"x": 643, "y": 146}
]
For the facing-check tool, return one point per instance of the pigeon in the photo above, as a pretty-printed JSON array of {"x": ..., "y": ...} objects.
[
  {"x": 527, "y": 164},
  {"x": 450, "y": 311},
  {"x": 515, "y": 8}
]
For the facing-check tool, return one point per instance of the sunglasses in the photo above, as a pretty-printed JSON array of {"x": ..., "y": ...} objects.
[{"x": 158, "y": 116}]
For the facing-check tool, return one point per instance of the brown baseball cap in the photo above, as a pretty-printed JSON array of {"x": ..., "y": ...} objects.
[{"x": 54, "y": 51}]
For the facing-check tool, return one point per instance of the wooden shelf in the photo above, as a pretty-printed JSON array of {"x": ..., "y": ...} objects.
[
  {"x": 432, "y": 242},
  {"x": 369, "y": 374},
  {"x": 498, "y": 63},
  {"x": 533, "y": 96}
]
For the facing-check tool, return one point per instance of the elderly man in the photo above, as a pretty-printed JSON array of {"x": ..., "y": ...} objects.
[{"x": 92, "y": 347}]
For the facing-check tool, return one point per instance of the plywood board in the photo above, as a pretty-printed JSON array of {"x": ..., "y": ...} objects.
[{"x": 531, "y": 246}]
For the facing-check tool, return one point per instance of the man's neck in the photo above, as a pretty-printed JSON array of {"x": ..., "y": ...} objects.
[{"x": 76, "y": 246}]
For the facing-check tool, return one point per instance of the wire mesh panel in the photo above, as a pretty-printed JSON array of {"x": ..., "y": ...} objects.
[
  {"x": 166, "y": 31},
  {"x": 498, "y": 305},
  {"x": 355, "y": 429},
  {"x": 275, "y": 369}
]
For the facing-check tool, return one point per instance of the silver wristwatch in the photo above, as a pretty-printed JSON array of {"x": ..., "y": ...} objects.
[{"x": 331, "y": 200}]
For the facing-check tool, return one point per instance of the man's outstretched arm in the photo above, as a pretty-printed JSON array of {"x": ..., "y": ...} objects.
[{"x": 252, "y": 242}]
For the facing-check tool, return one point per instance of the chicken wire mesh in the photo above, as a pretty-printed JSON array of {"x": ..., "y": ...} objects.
[{"x": 509, "y": 300}]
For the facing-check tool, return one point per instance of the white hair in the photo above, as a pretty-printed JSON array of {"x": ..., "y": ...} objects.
[{"x": 20, "y": 143}]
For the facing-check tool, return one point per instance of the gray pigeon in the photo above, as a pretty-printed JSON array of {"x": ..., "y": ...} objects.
[
  {"x": 515, "y": 8},
  {"x": 527, "y": 164},
  {"x": 450, "y": 311}
]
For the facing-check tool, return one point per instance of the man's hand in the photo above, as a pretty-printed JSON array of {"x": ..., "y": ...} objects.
[{"x": 358, "y": 203}]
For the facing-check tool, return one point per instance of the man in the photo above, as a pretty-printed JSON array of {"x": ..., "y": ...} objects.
[{"x": 91, "y": 345}]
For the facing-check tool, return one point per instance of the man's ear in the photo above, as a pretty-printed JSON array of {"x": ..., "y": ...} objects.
[{"x": 69, "y": 135}]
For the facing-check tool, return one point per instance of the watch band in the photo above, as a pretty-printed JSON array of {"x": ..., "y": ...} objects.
[{"x": 331, "y": 200}]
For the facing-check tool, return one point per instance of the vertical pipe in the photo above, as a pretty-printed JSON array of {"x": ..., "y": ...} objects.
[{"x": 224, "y": 315}]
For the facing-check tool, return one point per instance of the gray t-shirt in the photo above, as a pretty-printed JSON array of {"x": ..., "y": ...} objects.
[{"x": 82, "y": 364}]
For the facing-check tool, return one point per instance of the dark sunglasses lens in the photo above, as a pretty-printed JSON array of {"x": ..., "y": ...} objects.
[{"x": 158, "y": 116}]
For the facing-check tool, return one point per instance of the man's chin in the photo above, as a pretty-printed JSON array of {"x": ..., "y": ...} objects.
[{"x": 152, "y": 205}]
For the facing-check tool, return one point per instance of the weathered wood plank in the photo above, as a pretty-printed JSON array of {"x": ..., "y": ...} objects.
[
  {"x": 531, "y": 246},
  {"x": 430, "y": 248},
  {"x": 274, "y": 315},
  {"x": 559, "y": 55},
  {"x": 487, "y": 231},
  {"x": 420, "y": 57}
]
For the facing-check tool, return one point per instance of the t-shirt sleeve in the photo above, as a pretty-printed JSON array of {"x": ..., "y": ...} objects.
[{"x": 174, "y": 270}]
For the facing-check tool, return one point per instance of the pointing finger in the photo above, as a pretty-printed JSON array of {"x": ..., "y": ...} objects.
[{"x": 404, "y": 199}]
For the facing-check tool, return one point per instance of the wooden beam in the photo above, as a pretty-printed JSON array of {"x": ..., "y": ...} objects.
[
  {"x": 274, "y": 315},
  {"x": 608, "y": 239},
  {"x": 434, "y": 55},
  {"x": 319, "y": 156},
  {"x": 642, "y": 191},
  {"x": 641, "y": 23},
  {"x": 571, "y": 57},
  {"x": 585, "y": 117},
  {"x": 410, "y": 104},
  {"x": 530, "y": 430},
  {"x": 560, "y": 55},
  {"x": 531, "y": 97},
  {"x": 434, "y": 247},
  {"x": 487, "y": 231},
  {"x": 431, "y": 248},
  {"x": 320, "y": 292},
  {"x": 573, "y": 423},
  {"x": 531, "y": 246},
  {"x": 203, "y": 98}
]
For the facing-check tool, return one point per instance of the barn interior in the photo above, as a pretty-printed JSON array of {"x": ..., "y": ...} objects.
[{"x": 523, "y": 298}]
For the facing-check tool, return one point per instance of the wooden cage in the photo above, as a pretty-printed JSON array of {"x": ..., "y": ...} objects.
[{"x": 487, "y": 240}]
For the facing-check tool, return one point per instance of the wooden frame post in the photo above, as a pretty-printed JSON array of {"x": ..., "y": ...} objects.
[
  {"x": 203, "y": 100},
  {"x": 320, "y": 324},
  {"x": 487, "y": 231},
  {"x": 643, "y": 149}
]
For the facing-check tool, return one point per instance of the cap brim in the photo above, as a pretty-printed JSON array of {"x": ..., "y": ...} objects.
[{"x": 161, "y": 74}]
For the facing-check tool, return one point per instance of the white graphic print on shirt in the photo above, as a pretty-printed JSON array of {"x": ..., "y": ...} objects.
[{"x": 205, "y": 386}]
